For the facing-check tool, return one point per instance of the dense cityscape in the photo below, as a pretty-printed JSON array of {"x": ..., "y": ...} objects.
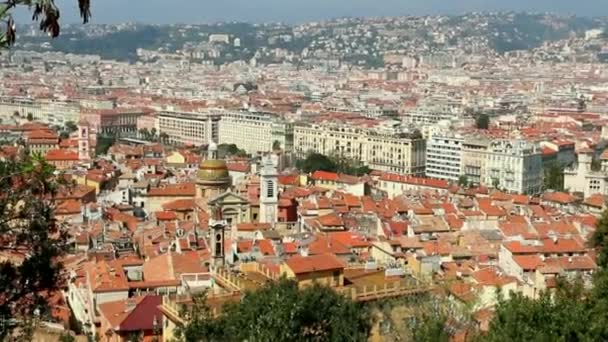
[{"x": 457, "y": 160}]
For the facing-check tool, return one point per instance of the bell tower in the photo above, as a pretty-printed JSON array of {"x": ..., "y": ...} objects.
[
  {"x": 269, "y": 198},
  {"x": 217, "y": 229},
  {"x": 83, "y": 140}
]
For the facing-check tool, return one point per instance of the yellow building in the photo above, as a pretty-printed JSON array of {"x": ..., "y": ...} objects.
[{"x": 324, "y": 269}]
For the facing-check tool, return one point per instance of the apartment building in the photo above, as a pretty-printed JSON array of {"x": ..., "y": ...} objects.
[
  {"x": 380, "y": 149},
  {"x": 473, "y": 159},
  {"x": 185, "y": 128},
  {"x": 255, "y": 131},
  {"x": 122, "y": 121},
  {"x": 514, "y": 165},
  {"x": 444, "y": 156},
  {"x": 43, "y": 110},
  {"x": 581, "y": 178}
]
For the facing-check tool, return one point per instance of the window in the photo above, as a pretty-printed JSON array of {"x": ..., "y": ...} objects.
[
  {"x": 336, "y": 276},
  {"x": 269, "y": 189}
]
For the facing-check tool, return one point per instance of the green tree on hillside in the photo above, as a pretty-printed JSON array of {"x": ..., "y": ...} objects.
[{"x": 280, "y": 311}]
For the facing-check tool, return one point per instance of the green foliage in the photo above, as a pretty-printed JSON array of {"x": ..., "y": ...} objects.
[
  {"x": 226, "y": 150},
  {"x": 280, "y": 311},
  {"x": 334, "y": 163},
  {"x": 28, "y": 227},
  {"x": 71, "y": 126},
  {"x": 30, "y": 117},
  {"x": 43, "y": 11},
  {"x": 572, "y": 313},
  {"x": 276, "y": 145},
  {"x": 463, "y": 181},
  {"x": 548, "y": 318},
  {"x": 66, "y": 337},
  {"x": 104, "y": 142},
  {"x": 596, "y": 165},
  {"x": 554, "y": 177},
  {"x": 316, "y": 161},
  {"x": 599, "y": 240},
  {"x": 482, "y": 121}
]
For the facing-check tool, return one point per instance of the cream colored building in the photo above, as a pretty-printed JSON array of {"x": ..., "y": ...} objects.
[
  {"x": 582, "y": 179},
  {"x": 43, "y": 110},
  {"x": 380, "y": 149},
  {"x": 473, "y": 160},
  {"x": 189, "y": 128},
  {"x": 255, "y": 131}
]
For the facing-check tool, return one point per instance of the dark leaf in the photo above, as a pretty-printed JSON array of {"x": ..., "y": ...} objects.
[
  {"x": 10, "y": 32},
  {"x": 85, "y": 10}
]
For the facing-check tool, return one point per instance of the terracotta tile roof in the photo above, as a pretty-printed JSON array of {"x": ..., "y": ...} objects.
[
  {"x": 69, "y": 207},
  {"x": 266, "y": 247},
  {"x": 491, "y": 276},
  {"x": 578, "y": 263},
  {"x": 238, "y": 167},
  {"x": 133, "y": 314},
  {"x": 174, "y": 190},
  {"x": 560, "y": 245},
  {"x": 323, "y": 245},
  {"x": 559, "y": 197},
  {"x": 331, "y": 220},
  {"x": 42, "y": 135},
  {"x": 426, "y": 182},
  {"x": 61, "y": 155},
  {"x": 454, "y": 222},
  {"x": 544, "y": 230},
  {"x": 349, "y": 239},
  {"x": 244, "y": 246},
  {"x": 324, "y": 175},
  {"x": 437, "y": 247},
  {"x": 463, "y": 291},
  {"x": 486, "y": 206},
  {"x": 528, "y": 262},
  {"x": 252, "y": 226},
  {"x": 596, "y": 200},
  {"x": 289, "y": 180},
  {"x": 517, "y": 247},
  {"x": 180, "y": 205},
  {"x": 316, "y": 263},
  {"x": 165, "y": 215},
  {"x": 520, "y": 199}
]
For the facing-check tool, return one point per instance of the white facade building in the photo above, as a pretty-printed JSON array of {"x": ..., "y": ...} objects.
[
  {"x": 255, "y": 131},
  {"x": 47, "y": 111},
  {"x": 444, "y": 156},
  {"x": 514, "y": 165},
  {"x": 189, "y": 128},
  {"x": 582, "y": 179}
]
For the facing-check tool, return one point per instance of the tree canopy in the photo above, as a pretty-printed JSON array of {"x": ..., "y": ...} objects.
[
  {"x": 280, "y": 311},
  {"x": 45, "y": 12},
  {"x": 28, "y": 227},
  {"x": 554, "y": 177},
  {"x": 482, "y": 121},
  {"x": 333, "y": 163}
]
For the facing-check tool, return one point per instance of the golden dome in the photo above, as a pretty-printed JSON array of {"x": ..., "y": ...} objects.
[{"x": 213, "y": 170}]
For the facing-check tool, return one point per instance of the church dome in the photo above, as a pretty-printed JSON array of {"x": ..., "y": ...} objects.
[{"x": 213, "y": 170}]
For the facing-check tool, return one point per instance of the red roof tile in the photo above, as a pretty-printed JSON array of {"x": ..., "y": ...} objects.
[{"x": 316, "y": 263}]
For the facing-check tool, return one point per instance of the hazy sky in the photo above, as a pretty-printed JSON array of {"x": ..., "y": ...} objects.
[{"x": 200, "y": 11}]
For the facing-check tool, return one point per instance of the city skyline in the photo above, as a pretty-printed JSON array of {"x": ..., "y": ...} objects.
[{"x": 189, "y": 11}]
